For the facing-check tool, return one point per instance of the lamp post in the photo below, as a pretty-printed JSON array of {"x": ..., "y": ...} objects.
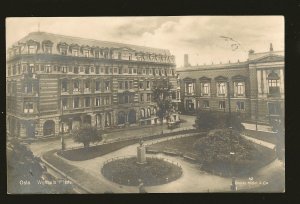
[
  {"x": 256, "y": 111},
  {"x": 233, "y": 186},
  {"x": 229, "y": 105},
  {"x": 62, "y": 131}
]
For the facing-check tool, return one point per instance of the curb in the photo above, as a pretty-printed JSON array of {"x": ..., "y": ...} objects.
[{"x": 63, "y": 174}]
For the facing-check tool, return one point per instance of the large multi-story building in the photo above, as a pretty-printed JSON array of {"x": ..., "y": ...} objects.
[
  {"x": 256, "y": 86},
  {"x": 54, "y": 80}
]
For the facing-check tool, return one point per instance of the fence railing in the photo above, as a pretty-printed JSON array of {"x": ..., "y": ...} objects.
[
  {"x": 132, "y": 156},
  {"x": 140, "y": 137}
]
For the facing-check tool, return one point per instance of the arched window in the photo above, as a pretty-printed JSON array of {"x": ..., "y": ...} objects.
[
  {"x": 64, "y": 85},
  {"x": 142, "y": 113},
  {"x": 154, "y": 111},
  {"x": 240, "y": 88},
  {"x": 221, "y": 88},
  {"x": 121, "y": 118},
  {"x": 273, "y": 82},
  {"x": 76, "y": 86}
]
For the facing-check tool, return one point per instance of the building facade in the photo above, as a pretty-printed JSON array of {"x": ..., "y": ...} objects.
[
  {"x": 55, "y": 83},
  {"x": 255, "y": 87}
]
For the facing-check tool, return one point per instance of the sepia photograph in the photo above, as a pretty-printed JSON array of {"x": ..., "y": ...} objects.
[{"x": 145, "y": 104}]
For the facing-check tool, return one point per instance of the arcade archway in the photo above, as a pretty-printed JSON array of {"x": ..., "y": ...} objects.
[
  {"x": 132, "y": 117},
  {"x": 49, "y": 128}
]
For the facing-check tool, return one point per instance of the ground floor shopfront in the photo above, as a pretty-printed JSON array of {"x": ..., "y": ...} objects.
[{"x": 109, "y": 118}]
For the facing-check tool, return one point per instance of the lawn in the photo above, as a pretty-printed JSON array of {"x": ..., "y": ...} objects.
[
  {"x": 213, "y": 152},
  {"x": 265, "y": 136},
  {"x": 182, "y": 145},
  {"x": 127, "y": 172},
  {"x": 100, "y": 150}
]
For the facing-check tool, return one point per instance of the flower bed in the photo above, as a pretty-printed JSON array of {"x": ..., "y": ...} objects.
[{"x": 127, "y": 172}]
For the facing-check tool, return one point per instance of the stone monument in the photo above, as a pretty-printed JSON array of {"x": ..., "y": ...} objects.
[{"x": 141, "y": 153}]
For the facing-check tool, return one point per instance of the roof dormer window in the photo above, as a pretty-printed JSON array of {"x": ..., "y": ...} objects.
[
  {"x": 62, "y": 48},
  {"x": 75, "y": 52},
  {"x": 63, "y": 51},
  {"x": 86, "y": 53},
  {"x": 32, "y": 49},
  {"x": 47, "y": 46}
]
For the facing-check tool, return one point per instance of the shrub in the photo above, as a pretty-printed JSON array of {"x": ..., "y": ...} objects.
[
  {"x": 215, "y": 153},
  {"x": 208, "y": 120},
  {"x": 86, "y": 134}
]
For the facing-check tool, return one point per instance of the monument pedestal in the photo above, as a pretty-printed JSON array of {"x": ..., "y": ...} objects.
[{"x": 141, "y": 155}]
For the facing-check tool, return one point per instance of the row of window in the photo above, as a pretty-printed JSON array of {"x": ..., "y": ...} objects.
[
  {"x": 146, "y": 113},
  {"x": 14, "y": 70},
  {"x": 239, "y": 88},
  {"x": 104, "y": 100},
  {"x": 107, "y": 85},
  {"x": 87, "y": 86},
  {"x": 106, "y": 54},
  {"x": 147, "y": 98},
  {"x": 240, "y": 105}
]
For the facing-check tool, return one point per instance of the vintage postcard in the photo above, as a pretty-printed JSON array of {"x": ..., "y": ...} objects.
[{"x": 172, "y": 104}]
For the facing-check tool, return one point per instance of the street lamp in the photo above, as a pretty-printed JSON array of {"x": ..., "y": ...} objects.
[
  {"x": 229, "y": 105},
  {"x": 62, "y": 131}
]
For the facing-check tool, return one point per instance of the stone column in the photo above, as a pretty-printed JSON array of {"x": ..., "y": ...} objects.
[
  {"x": 265, "y": 82},
  {"x": 93, "y": 119},
  {"x": 258, "y": 72},
  {"x": 281, "y": 81}
]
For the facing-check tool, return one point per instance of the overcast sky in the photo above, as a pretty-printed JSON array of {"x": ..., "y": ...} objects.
[{"x": 198, "y": 36}]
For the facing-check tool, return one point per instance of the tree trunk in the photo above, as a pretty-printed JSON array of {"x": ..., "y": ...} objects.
[
  {"x": 162, "y": 125},
  {"x": 86, "y": 145}
]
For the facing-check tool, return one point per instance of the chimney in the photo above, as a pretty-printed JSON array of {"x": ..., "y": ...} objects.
[
  {"x": 186, "y": 60},
  {"x": 229, "y": 61},
  {"x": 271, "y": 47},
  {"x": 251, "y": 52},
  {"x": 238, "y": 61}
]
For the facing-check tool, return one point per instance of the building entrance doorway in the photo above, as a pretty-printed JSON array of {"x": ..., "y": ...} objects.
[
  {"x": 49, "y": 128},
  {"x": 132, "y": 117}
]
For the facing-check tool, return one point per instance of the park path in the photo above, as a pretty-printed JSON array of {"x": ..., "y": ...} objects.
[
  {"x": 260, "y": 142},
  {"x": 263, "y": 128},
  {"x": 192, "y": 180}
]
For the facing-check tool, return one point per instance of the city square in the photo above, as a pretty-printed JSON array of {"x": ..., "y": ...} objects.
[{"x": 92, "y": 116}]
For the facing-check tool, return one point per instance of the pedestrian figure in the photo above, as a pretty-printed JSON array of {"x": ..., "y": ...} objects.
[
  {"x": 233, "y": 185},
  {"x": 142, "y": 188}
]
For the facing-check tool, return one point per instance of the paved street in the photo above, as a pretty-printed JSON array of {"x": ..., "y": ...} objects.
[{"x": 42, "y": 146}]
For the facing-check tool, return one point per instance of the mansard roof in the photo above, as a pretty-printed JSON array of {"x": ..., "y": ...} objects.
[{"x": 56, "y": 39}]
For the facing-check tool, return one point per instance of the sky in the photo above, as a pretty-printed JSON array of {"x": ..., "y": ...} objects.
[{"x": 206, "y": 39}]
